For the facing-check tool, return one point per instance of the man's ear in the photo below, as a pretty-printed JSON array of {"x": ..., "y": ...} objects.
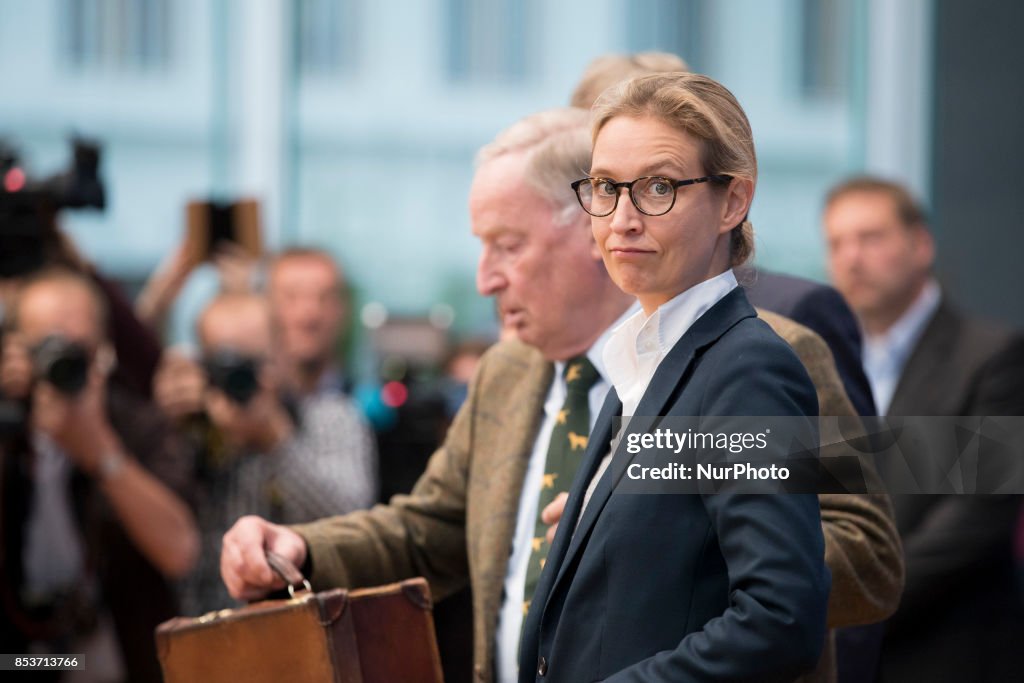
[
  {"x": 739, "y": 196},
  {"x": 583, "y": 222},
  {"x": 924, "y": 247}
]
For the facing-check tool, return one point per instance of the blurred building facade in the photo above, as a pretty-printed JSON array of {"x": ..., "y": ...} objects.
[{"x": 356, "y": 122}]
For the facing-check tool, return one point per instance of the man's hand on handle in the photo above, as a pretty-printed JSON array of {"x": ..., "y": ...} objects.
[{"x": 243, "y": 561}]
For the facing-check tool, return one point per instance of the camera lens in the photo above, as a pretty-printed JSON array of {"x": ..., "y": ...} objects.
[
  {"x": 69, "y": 374},
  {"x": 241, "y": 383},
  {"x": 234, "y": 374},
  {"x": 62, "y": 363}
]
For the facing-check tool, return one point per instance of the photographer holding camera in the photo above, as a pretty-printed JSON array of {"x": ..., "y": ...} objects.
[
  {"x": 263, "y": 451},
  {"x": 31, "y": 239},
  {"x": 94, "y": 523}
]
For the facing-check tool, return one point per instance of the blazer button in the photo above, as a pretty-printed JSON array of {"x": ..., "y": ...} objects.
[{"x": 542, "y": 666}]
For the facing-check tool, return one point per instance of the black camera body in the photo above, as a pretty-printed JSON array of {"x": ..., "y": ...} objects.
[
  {"x": 233, "y": 373},
  {"x": 61, "y": 362},
  {"x": 79, "y": 186},
  {"x": 28, "y": 207}
]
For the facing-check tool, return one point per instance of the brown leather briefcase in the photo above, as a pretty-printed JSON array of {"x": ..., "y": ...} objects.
[{"x": 372, "y": 635}]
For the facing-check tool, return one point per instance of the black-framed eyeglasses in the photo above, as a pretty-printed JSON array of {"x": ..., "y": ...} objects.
[{"x": 651, "y": 195}]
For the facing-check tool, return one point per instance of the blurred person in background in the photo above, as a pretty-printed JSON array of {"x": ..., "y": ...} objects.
[
  {"x": 611, "y": 69},
  {"x": 959, "y": 618},
  {"x": 225, "y": 233},
  {"x": 263, "y": 451},
  {"x": 31, "y": 239},
  {"x": 94, "y": 518},
  {"x": 458, "y": 369},
  {"x": 309, "y": 302},
  {"x": 236, "y": 269}
]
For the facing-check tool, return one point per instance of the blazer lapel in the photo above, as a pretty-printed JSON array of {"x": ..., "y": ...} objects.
[{"x": 667, "y": 382}]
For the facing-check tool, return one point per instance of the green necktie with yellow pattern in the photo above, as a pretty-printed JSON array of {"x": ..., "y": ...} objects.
[{"x": 565, "y": 453}]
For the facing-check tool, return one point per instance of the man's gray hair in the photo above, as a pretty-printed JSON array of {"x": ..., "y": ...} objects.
[{"x": 558, "y": 148}]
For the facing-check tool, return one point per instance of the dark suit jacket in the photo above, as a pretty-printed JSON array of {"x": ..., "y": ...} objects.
[
  {"x": 686, "y": 587},
  {"x": 822, "y": 309},
  {"x": 960, "y": 618}
]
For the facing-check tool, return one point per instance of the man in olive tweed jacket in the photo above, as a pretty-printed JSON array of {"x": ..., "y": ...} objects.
[{"x": 457, "y": 524}]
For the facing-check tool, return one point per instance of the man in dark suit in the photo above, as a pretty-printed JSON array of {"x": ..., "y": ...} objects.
[
  {"x": 959, "y": 618},
  {"x": 822, "y": 309}
]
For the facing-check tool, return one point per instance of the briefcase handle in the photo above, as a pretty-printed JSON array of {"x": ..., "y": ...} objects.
[{"x": 289, "y": 572}]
